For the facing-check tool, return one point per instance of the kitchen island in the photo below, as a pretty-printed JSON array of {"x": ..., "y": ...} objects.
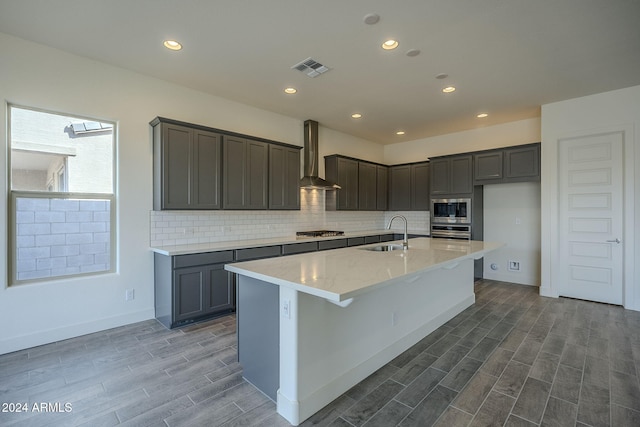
[{"x": 311, "y": 326}]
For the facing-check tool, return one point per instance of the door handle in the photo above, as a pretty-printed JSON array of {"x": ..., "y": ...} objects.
[{"x": 616, "y": 240}]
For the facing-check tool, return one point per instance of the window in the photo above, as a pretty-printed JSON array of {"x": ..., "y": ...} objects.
[{"x": 62, "y": 200}]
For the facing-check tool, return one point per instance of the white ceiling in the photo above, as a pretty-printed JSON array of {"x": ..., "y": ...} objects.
[{"x": 506, "y": 57}]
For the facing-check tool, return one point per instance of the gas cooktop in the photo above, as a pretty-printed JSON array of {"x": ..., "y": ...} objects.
[{"x": 319, "y": 233}]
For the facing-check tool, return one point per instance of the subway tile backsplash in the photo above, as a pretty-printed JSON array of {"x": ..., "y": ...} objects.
[{"x": 187, "y": 227}]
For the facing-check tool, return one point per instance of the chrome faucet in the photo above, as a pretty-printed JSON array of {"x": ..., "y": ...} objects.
[{"x": 405, "y": 241}]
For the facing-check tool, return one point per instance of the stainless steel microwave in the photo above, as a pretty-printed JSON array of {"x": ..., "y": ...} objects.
[{"x": 451, "y": 211}]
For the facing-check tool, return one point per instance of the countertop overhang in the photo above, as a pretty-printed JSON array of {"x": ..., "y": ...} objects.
[{"x": 340, "y": 274}]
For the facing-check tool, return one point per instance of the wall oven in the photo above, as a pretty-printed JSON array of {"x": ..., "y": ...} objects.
[
  {"x": 451, "y": 211},
  {"x": 451, "y": 231}
]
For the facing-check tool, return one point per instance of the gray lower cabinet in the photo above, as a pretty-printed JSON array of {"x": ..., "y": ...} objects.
[
  {"x": 186, "y": 167},
  {"x": 245, "y": 173},
  {"x": 284, "y": 177},
  {"x": 190, "y": 288}
]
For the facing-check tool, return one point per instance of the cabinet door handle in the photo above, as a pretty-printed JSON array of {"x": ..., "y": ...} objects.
[{"x": 616, "y": 240}]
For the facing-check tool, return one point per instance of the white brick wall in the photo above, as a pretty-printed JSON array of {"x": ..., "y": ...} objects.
[
  {"x": 57, "y": 237},
  {"x": 185, "y": 227}
]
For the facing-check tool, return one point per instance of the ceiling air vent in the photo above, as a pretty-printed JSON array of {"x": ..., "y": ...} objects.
[{"x": 310, "y": 67}]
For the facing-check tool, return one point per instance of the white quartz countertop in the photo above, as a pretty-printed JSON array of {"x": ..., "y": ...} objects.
[
  {"x": 341, "y": 274},
  {"x": 240, "y": 244}
]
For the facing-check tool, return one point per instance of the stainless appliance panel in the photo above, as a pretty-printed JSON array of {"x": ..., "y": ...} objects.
[{"x": 451, "y": 211}]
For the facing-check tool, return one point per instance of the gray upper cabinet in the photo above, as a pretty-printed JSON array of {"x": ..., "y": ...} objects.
[
  {"x": 400, "y": 188},
  {"x": 284, "y": 177},
  {"x": 420, "y": 186},
  {"x": 522, "y": 163},
  {"x": 367, "y": 186},
  {"x": 409, "y": 187},
  {"x": 246, "y": 173},
  {"x": 451, "y": 175},
  {"x": 488, "y": 166},
  {"x": 511, "y": 164},
  {"x": 344, "y": 171},
  {"x": 186, "y": 167},
  {"x": 382, "y": 187}
]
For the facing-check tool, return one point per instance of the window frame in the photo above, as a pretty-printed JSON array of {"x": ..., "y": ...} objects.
[{"x": 12, "y": 247}]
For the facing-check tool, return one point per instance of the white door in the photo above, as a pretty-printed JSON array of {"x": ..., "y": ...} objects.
[{"x": 591, "y": 217}]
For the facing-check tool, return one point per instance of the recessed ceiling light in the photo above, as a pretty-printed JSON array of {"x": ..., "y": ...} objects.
[
  {"x": 482, "y": 115},
  {"x": 449, "y": 89},
  {"x": 290, "y": 90},
  {"x": 371, "y": 18},
  {"x": 356, "y": 115},
  {"x": 400, "y": 132},
  {"x": 172, "y": 45},
  {"x": 390, "y": 44},
  {"x": 442, "y": 76},
  {"x": 413, "y": 52}
]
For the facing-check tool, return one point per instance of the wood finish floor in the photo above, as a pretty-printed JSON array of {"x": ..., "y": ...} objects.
[{"x": 513, "y": 358}]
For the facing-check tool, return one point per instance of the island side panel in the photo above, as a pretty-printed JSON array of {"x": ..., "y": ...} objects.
[
  {"x": 258, "y": 333},
  {"x": 330, "y": 349}
]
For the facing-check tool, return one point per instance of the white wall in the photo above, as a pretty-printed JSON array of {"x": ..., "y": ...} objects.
[
  {"x": 512, "y": 216},
  {"x": 37, "y": 76},
  {"x": 504, "y": 135},
  {"x": 618, "y": 110}
]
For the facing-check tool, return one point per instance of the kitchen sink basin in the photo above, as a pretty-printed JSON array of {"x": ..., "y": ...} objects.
[{"x": 384, "y": 248}]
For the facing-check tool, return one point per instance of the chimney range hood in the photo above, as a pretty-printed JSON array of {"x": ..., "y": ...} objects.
[{"x": 311, "y": 178}]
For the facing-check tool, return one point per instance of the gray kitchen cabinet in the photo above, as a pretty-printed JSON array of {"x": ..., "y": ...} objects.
[
  {"x": 367, "y": 186},
  {"x": 409, "y": 187},
  {"x": 382, "y": 187},
  {"x": 510, "y": 164},
  {"x": 355, "y": 241},
  {"x": 299, "y": 248},
  {"x": 522, "y": 163},
  {"x": 487, "y": 166},
  {"x": 284, "y": 177},
  {"x": 344, "y": 171},
  {"x": 332, "y": 244},
  {"x": 451, "y": 175},
  {"x": 400, "y": 188},
  {"x": 245, "y": 173},
  {"x": 420, "y": 186},
  {"x": 190, "y": 288},
  {"x": 186, "y": 167}
]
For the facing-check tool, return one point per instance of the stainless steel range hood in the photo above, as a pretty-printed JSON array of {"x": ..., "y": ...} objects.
[{"x": 311, "y": 178}]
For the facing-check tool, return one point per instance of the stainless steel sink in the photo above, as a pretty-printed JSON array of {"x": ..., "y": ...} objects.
[{"x": 384, "y": 248}]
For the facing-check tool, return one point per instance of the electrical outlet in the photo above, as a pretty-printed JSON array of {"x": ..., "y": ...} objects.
[
  {"x": 514, "y": 265},
  {"x": 129, "y": 294}
]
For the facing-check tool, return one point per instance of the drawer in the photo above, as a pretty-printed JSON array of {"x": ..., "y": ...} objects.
[
  {"x": 332, "y": 244},
  {"x": 355, "y": 241},
  {"x": 299, "y": 248},
  {"x": 371, "y": 239},
  {"x": 204, "y": 258},
  {"x": 257, "y": 253}
]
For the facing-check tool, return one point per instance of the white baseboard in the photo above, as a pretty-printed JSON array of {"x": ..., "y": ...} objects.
[{"x": 71, "y": 331}]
